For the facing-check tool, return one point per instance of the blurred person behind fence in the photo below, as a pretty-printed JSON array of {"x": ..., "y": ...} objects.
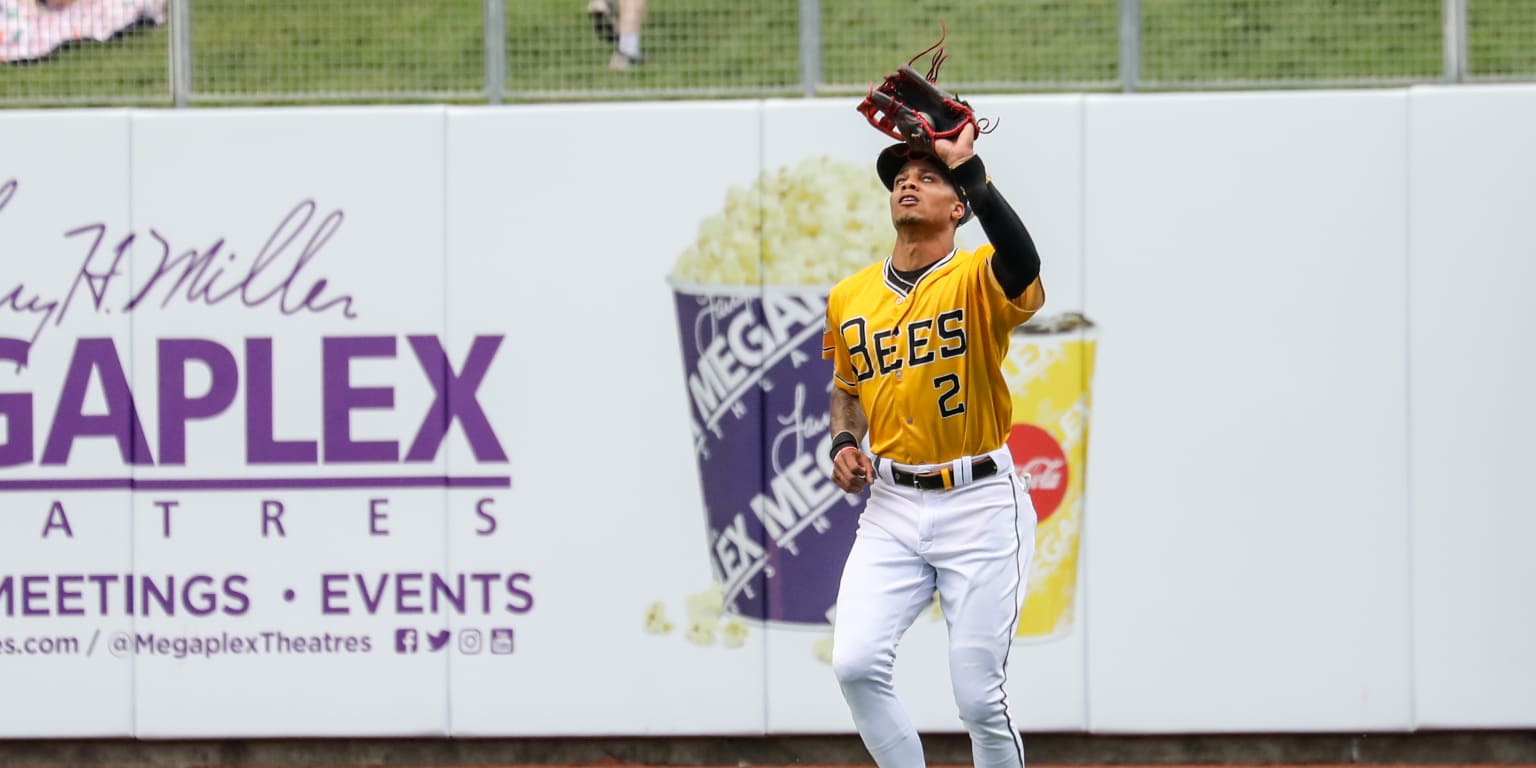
[
  {"x": 619, "y": 27},
  {"x": 32, "y": 29}
]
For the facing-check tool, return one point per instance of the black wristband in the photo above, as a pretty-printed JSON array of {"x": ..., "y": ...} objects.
[
  {"x": 842, "y": 440},
  {"x": 970, "y": 176}
]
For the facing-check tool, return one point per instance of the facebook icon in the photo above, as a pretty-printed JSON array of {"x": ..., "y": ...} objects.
[{"x": 405, "y": 641}]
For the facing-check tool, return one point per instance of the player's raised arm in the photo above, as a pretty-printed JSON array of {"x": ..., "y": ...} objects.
[
  {"x": 1016, "y": 262},
  {"x": 851, "y": 470}
]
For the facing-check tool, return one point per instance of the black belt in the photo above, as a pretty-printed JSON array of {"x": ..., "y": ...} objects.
[{"x": 944, "y": 478}]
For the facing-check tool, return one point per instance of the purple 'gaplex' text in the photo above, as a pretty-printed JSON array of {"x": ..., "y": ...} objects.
[{"x": 455, "y": 397}]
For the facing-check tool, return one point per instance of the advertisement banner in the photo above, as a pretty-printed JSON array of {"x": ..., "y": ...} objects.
[{"x": 302, "y": 443}]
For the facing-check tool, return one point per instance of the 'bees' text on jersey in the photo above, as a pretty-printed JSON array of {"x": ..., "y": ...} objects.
[{"x": 925, "y": 360}]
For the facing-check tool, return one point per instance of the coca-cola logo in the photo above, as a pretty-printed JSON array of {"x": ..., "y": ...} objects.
[{"x": 1037, "y": 454}]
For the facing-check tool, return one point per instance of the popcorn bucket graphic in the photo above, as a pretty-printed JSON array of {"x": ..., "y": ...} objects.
[
  {"x": 1049, "y": 369},
  {"x": 779, "y": 529},
  {"x": 751, "y": 296}
]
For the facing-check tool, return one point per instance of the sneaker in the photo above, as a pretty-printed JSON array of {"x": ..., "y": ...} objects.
[
  {"x": 604, "y": 20},
  {"x": 622, "y": 61}
]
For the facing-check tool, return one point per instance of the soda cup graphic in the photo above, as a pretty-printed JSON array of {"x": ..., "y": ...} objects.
[
  {"x": 1049, "y": 371},
  {"x": 751, "y": 298}
]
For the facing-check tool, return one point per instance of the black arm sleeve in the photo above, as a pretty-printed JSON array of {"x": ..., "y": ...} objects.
[{"x": 1016, "y": 263}]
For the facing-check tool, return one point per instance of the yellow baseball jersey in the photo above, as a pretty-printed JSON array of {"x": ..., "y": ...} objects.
[{"x": 925, "y": 359}]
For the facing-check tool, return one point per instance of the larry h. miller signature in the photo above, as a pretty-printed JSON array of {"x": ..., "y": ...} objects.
[{"x": 210, "y": 276}]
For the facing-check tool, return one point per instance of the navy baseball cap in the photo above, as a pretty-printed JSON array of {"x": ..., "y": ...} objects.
[{"x": 895, "y": 157}]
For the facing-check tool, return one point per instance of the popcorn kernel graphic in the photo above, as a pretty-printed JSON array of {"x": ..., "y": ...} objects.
[
  {"x": 734, "y": 634},
  {"x": 700, "y": 633},
  {"x": 656, "y": 621},
  {"x": 822, "y": 649}
]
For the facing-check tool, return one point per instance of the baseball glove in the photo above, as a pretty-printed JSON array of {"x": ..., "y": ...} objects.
[{"x": 910, "y": 107}]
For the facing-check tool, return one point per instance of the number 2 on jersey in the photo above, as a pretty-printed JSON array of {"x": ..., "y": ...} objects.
[{"x": 948, "y": 386}]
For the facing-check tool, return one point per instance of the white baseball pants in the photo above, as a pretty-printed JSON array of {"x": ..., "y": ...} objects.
[{"x": 973, "y": 543}]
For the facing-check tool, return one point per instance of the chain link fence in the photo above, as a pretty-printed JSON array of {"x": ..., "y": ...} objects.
[
  {"x": 1301, "y": 42},
  {"x": 1501, "y": 39},
  {"x": 272, "y": 50},
  {"x": 196, "y": 52}
]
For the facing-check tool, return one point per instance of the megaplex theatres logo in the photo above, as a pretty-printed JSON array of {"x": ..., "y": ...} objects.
[{"x": 279, "y": 288}]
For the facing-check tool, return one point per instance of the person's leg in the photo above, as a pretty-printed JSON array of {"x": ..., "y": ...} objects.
[
  {"x": 631, "y": 17},
  {"x": 885, "y": 586},
  {"x": 981, "y": 573}
]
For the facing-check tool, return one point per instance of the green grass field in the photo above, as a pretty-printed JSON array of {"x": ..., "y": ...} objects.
[{"x": 273, "y": 51}]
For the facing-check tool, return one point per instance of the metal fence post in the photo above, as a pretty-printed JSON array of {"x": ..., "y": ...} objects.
[
  {"x": 1455, "y": 45},
  {"x": 810, "y": 46},
  {"x": 1130, "y": 45},
  {"x": 181, "y": 51},
  {"x": 495, "y": 50}
]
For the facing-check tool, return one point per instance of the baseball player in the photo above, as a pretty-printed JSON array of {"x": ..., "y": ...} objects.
[{"x": 916, "y": 343}]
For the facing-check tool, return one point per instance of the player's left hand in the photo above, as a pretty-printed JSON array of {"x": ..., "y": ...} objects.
[{"x": 957, "y": 150}]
